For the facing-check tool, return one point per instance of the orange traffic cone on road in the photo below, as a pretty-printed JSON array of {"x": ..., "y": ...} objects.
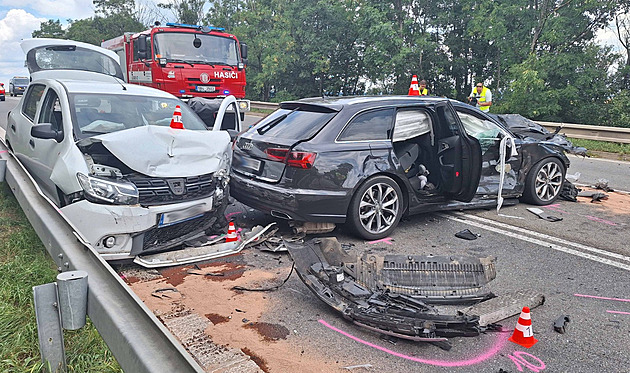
[
  {"x": 523, "y": 333},
  {"x": 176, "y": 122},
  {"x": 231, "y": 235},
  {"x": 413, "y": 88}
]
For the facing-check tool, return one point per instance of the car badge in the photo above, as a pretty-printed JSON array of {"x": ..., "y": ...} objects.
[
  {"x": 204, "y": 78},
  {"x": 178, "y": 187},
  {"x": 171, "y": 74},
  {"x": 247, "y": 145}
]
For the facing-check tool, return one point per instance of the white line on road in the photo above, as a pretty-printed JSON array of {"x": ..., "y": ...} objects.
[{"x": 541, "y": 242}]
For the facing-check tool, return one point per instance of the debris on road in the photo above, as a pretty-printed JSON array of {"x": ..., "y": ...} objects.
[
  {"x": 395, "y": 294},
  {"x": 466, "y": 234},
  {"x": 312, "y": 227},
  {"x": 595, "y": 196},
  {"x": 569, "y": 191},
  {"x": 353, "y": 367},
  {"x": 560, "y": 325},
  {"x": 603, "y": 185},
  {"x": 543, "y": 215}
]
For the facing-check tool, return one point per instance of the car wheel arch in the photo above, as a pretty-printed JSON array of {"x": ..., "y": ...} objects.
[{"x": 397, "y": 179}]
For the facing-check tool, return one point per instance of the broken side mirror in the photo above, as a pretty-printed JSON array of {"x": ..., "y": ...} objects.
[
  {"x": 233, "y": 134},
  {"x": 46, "y": 131}
]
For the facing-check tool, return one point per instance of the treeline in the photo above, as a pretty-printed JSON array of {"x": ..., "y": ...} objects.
[{"x": 539, "y": 57}]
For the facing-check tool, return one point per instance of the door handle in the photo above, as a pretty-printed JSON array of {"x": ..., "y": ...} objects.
[{"x": 31, "y": 143}]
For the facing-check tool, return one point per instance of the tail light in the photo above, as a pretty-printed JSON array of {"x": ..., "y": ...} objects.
[{"x": 291, "y": 158}]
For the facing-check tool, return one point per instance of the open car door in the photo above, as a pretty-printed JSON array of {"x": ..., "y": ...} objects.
[{"x": 458, "y": 155}]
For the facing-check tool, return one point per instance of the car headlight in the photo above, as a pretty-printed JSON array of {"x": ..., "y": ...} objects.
[{"x": 101, "y": 190}]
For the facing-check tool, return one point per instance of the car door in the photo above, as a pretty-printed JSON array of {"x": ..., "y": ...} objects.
[
  {"x": 458, "y": 156},
  {"x": 490, "y": 134},
  {"x": 20, "y": 122}
]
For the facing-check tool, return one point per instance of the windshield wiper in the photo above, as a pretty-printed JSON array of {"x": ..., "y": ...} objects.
[
  {"x": 273, "y": 123},
  {"x": 179, "y": 61},
  {"x": 201, "y": 62}
]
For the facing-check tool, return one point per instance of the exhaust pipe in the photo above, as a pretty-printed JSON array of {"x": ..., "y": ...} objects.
[{"x": 281, "y": 215}]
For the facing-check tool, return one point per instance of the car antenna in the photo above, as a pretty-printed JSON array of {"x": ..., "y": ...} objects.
[{"x": 118, "y": 81}]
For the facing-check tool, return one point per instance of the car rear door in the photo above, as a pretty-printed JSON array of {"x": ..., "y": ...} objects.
[{"x": 458, "y": 155}]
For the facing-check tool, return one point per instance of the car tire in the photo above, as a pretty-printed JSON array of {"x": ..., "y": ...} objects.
[
  {"x": 544, "y": 182},
  {"x": 376, "y": 208}
]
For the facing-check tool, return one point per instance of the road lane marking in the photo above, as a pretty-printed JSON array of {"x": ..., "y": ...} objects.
[
  {"x": 541, "y": 242},
  {"x": 545, "y": 236}
]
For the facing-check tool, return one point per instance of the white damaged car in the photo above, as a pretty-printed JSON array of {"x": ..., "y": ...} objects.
[{"x": 104, "y": 152}]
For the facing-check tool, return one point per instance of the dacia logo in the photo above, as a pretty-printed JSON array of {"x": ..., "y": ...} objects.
[{"x": 178, "y": 187}]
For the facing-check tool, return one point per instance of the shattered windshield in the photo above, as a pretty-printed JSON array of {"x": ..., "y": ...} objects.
[
  {"x": 98, "y": 113},
  {"x": 178, "y": 46}
]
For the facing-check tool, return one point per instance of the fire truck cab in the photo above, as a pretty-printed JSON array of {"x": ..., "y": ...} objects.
[{"x": 185, "y": 60}]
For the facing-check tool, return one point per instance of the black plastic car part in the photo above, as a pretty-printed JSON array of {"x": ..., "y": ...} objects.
[{"x": 392, "y": 294}]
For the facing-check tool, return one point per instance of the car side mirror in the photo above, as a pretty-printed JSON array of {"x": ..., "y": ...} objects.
[
  {"x": 142, "y": 46},
  {"x": 46, "y": 131},
  {"x": 244, "y": 52},
  {"x": 233, "y": 134}
]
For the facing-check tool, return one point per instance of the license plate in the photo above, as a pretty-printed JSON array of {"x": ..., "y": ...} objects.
[
  {"x": 253, "y": 164},
  {"x": 206, "y": 88},
  {"x": 175, "y": 217}
]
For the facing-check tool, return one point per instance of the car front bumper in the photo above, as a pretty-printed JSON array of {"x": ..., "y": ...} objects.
[
  {"x": 141, "y": 230},
  {"x": 298, "y": 204}
]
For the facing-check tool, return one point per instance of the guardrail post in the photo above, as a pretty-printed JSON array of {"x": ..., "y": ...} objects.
[
  {"x": 3, "y": 169},
  {"x": 59, "y": 306},
  {"x": 49, "y": 329}
]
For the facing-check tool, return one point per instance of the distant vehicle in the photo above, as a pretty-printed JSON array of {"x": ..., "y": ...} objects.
[
  {"x": 1, "y": 91},
  {"x": 186, "y": 61},
  {"x": 370, "y": 160},
  {"x": 104, "y": 152},
  {"x": 17, "y": 85}
]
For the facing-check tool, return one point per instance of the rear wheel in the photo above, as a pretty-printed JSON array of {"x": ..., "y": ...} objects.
[
  {"x": 376, "y": 208},
  {"x": 544, "y": 182}
]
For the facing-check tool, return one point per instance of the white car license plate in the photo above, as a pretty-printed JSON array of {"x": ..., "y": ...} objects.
[
  {"x": 206, "y": 88},
  {"x": 175, "y": 217}
]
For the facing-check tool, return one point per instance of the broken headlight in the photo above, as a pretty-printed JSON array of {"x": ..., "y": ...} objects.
[{"x": 101, "y": 190}]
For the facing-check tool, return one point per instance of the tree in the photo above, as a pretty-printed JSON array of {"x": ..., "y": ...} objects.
[
  {"x": 186, "y": 11},
  {"x": 49, "y": 29}
]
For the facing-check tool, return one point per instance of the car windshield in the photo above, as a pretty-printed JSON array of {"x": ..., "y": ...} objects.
[
  {"x": 178, "y": 46},
  {"x": 22, "y": 81},
  {"x": 99, "y": 113}
]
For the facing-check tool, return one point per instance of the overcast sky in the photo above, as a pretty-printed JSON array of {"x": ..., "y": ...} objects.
[{"x": 18, "y": 21}]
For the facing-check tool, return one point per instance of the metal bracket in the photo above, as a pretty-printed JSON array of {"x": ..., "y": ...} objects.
[{"x": 49, "y": 329}]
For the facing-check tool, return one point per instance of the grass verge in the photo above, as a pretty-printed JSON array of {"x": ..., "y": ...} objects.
[
  {"x": 24, "y": 263},
  {"x": 602, "y": 146}
]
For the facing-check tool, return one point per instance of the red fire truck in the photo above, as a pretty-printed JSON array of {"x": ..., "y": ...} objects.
[{"x": 185, "y": 60}]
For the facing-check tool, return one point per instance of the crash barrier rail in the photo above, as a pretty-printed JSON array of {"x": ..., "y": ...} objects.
[
  {"x": 578, "y": 131},
  {"x": 137, "y": 339}
]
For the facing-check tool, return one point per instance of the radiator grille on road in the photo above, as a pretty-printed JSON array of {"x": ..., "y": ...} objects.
[
  {"x": 157, "y": 191},
  {"x": 164, "y": 237}
]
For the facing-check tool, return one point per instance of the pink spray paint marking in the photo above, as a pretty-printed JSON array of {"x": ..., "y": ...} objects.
[
  {"x": 600, "y": 220},
  {"x": 603, "y": 298},
  {"x": 228, "y": 216},
  {"x": 3, "y": 151},
  {"x": 520, "y": 361},
  {"x": 442, "y": 363},
  {"x": 619, "y": 312},
  {"x": 387, "y": 240}
]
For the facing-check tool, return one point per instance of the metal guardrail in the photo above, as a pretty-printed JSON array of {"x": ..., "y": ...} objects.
[
  {"x": 578, "y": 131},
  {"x": 139, "y": 341}
]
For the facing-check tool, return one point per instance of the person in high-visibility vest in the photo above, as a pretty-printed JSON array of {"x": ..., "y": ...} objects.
[
  {"x": 481, "y": 97},
  {"x": 422, "y": 87}
]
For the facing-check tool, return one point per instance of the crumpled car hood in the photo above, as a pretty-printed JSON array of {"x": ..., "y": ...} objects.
[
  {"x": 166, "y": 152},
  {"x": 524, "y": 127}
]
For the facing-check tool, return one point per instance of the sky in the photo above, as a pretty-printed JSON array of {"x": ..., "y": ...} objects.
[{"x": 18, "y": 21}]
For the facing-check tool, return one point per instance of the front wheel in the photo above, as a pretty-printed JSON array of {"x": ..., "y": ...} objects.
[
  {"x": 376, "y": 208},
  {"x": 544, "y": 182}
]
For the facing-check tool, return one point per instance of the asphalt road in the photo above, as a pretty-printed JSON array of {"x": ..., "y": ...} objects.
[{"x": 581, "y": 264}]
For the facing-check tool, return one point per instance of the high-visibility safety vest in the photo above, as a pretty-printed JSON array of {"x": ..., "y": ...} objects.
[
  {"x": 424, "y": 92},
  {"x": 481, "y": 97}
]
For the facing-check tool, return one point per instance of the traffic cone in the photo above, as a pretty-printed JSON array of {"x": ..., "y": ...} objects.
[
  {"x": 231, "y": 235},
  {"x": 176, "y": 122},
  {"x": 523, "y": 333},
  {"x": 413, "y": 88}
]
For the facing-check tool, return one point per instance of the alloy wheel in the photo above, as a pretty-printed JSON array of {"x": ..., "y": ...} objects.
[
  {"x": 378, "y": 208},
  {"x": 548, "y": 181}
]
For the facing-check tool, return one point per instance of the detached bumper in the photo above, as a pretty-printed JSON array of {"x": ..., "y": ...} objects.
[
  {"x": 291, "y": 203},
  {"x": 140, "y": 230}
]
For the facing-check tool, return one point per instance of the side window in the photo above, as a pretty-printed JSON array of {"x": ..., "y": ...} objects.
[
  {"x": 411, "y": 123},
  {"x": 33, "y": 97},
  {"x": 51, "y": 111},
  {"x": 372, "y": 125},
  {"x": 135, "y": 50},
  {"x": 478, "y": 127},
  {"x": 448, "y": 120}
]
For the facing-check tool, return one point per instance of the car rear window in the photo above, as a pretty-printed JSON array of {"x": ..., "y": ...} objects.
[{"x": 298, "y": 123}]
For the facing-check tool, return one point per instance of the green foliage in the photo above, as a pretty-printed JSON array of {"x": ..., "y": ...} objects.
[
  {"x": 49, "y": 29},
  {"x": 186, "y": 11},
  {"x": 23, "y": 264},
  {"x": 601, "y": 146}
]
